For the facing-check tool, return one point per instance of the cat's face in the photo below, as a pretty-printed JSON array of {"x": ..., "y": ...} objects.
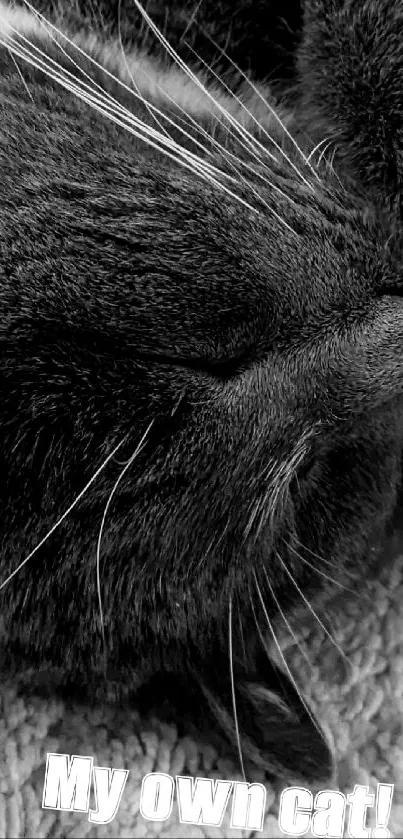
[{"x": 245, "y": 356}]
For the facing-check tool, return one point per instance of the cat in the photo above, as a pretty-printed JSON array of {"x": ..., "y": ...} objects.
[{"x": 201, "y": 356}]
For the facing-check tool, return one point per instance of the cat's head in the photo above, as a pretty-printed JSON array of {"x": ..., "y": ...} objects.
[{"x": 236, "y": 339}]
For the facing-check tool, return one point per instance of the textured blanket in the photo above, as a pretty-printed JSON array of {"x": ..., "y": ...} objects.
[{"x": 358, "y": 695}]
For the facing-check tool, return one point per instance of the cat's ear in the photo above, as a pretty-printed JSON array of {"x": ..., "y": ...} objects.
[
  {"x": 350, "y": 68},
  {"x": 277, "y": 730}
]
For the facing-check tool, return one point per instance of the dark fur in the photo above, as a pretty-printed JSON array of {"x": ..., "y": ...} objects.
[{"x": 130, "y": 292}]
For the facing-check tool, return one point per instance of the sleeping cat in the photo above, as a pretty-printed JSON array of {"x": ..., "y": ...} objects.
[{"x": 201, "y": 357}]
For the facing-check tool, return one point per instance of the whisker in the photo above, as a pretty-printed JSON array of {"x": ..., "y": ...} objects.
[
  {"x": 46, "y": 23},
  {"x": 318, "y": 145},
  {"x": 21, "y": 76},
  {"x": 256, "y": 121},
  {"x": 327, "y": 562},
  {"x": 323, "y": 152},
  {"x": 332, "y": 159},
  {"x": 285, "y": 619},
  {"x": 107, "y": 98},
  {"x": 280, "y": 652},
  {"x": 226, "y": 113},
  {"x": 329, "y": 141},
  {"x": 153, "y": 110},
  {"x": 226, "y": 153},
  {"x": 241, "y": 630},
  {"x": 189, "y": 119},
  {"x": 312, "y": 610},
  {"x": 229, "y": 156},
  {"x": 136, "y": 93},
  {"x": 267, "y": 205},
  {"x": 231, "y": 667},
  {"x": 333, "y": 171},
  {"x": 233, "y": 159},
  {"x": 249, "y": 138},
  {"x": 279, "y": 477},
  {"x": 107, "y": 505},
  {"x": 64, "y": 516},
  {"x": 185, "y": 158},
  {"x": 266, "y": 103},
  {"x": 318, "y": 571},
  {"x": 190, "y": 21},
  {"x": 118, "y": 105},
  {"x": 213, "y": 543},
  {"x": 256, "y": 509},
  {"x": 134, "y": 83}
]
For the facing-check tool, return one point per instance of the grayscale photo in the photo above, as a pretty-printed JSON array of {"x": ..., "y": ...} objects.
[{"x": 201, "y": 418}]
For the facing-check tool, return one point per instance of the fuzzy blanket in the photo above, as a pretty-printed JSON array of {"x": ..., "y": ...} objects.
[{"x": 359, "y": 698}]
